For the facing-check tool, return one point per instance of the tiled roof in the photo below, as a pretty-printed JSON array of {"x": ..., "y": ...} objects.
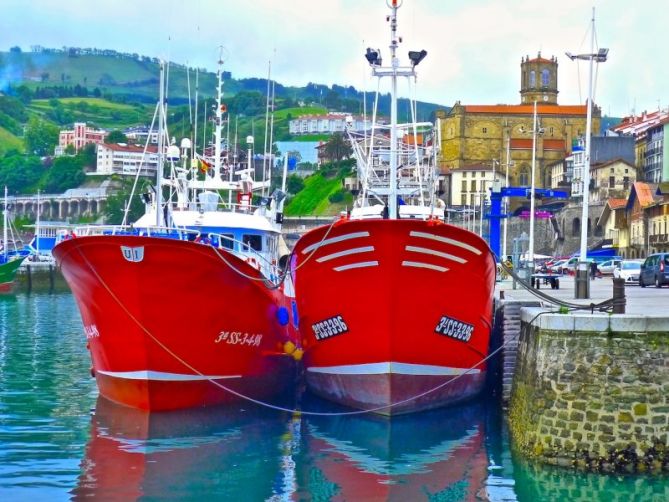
[
  {"x": 116, "y": 147},
  {"x": 528, "y": 109},
  {"x": 617, "y": 203}
]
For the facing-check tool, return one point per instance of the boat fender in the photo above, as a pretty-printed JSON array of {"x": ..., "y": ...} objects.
[
  {"x": 92, "y": 372},
  {"x": 297, "y": 354},
  {"x": 289, "y": 347},
  {"x": 282, "y": 316}
]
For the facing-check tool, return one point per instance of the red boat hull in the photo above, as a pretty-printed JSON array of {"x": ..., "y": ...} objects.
[
  {"x": 170, "y": 325},
  {"x": 395, "y": 315}
]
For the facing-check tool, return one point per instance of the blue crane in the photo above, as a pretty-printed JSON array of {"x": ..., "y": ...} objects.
[{"x": 496, "y": 215}]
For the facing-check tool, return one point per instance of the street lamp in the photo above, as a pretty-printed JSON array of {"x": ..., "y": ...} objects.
[
  {"x": 506, "y": 199},
  {"x": 535, "y": 130},
  {"x": 582, "y": 286}
]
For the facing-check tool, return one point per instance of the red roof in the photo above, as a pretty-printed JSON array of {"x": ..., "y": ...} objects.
[
  {"x": 130, "y": 148},
  {"x": 617, "y": 203},
  {"x": 644, "y": 192},
  {"x": 528, "y": 109}
]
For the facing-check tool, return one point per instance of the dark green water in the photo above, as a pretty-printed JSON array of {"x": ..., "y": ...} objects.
[{"x": 58, "y": 441}]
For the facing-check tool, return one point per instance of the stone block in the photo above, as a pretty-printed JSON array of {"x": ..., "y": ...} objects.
[
  {"x": 640, "y": 409},
  {"x": 591, "y": 323},
  {"x": 625, "y": 417},
  {"x": 628, "y": 323}
]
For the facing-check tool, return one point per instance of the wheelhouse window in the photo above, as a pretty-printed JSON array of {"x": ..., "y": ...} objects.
[
  {"x": 227, "y": 241},
  {"x": 252, "y": 242}
]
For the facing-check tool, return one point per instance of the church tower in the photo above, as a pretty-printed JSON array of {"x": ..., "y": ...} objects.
[{"x": 538, "y": 80}]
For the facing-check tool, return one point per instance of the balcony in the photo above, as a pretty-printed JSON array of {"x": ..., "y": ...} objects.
[{"x": 656, "y": 239}]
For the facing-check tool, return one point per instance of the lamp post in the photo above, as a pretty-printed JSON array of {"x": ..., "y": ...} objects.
[
  {"x": 582, "y": 286},
  {"x": 506, "y": 200},
  {"x": 535, "y": 130}
]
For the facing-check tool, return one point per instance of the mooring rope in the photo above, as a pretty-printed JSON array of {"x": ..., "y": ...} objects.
[{"x": 264, "y": 403}]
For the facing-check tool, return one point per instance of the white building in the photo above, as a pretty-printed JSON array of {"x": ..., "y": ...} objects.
[
  {"x": 140, "y": 134},
  {"x": 327, "y": 124},
  {"x": 470, "y": 184},
  {"x": 125, "y": 159}
]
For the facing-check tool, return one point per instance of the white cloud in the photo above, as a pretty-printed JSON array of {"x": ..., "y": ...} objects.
[{"x": 474, "y": 47}]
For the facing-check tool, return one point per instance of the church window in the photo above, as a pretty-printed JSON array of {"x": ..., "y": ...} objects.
[
  {"x": 533, "y": 79},
  {"x": 485, "y": 130},
  {"x": 545, "y": 78},
  {"x": 524, "y": 177},
  {"x": 550, "y": 131}
]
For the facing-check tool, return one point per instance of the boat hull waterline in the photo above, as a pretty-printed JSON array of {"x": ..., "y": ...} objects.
[
  {"x": 169, "y": 324},
  {"x": 395, "y": 315}
]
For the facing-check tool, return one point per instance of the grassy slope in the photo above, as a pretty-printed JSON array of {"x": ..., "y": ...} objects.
[
  {"x": 9, "y": 141},
  {"x": 99, "y": 111},
  {"x": 129, "y": 75},
  {"x": 313, "y": 198}
]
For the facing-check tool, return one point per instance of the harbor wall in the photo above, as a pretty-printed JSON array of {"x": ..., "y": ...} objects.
[{"x": 592, "y": 391}]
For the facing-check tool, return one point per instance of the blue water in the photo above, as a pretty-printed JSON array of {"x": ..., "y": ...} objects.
[{"x": 59, "y": 441}]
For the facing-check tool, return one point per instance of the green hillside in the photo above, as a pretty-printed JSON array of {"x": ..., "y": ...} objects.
[
  {"x": 9, "y": 142},
  {"x": 313, "y": 199}
]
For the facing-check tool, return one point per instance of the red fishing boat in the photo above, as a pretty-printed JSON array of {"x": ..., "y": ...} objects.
[
  {"x": 395, "y": 305},
  {"x": 185, "y": 307}
]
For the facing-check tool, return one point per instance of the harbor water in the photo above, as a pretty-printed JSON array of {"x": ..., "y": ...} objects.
[{"x": 59, "y": 441}]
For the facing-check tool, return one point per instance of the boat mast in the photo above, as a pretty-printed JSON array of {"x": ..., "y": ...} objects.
[
  {"x": 161, "y": 154},
  {"x": 4, "y": 227},
  {"x": 392, "y": 195},
  {"x": 219, "y": 119},
  {"x": 37, "y": 224}
]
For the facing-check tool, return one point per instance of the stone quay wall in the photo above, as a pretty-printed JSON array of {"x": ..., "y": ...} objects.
[{"x": 592, "y": 391}]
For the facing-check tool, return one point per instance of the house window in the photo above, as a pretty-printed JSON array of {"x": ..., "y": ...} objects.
[
  {"x": 464, "y": 186},
  {"x": 524, "y": 178},
  {"x": 612, "y": 181},
  {"x": 626, "y": 182},
  {"x": 473, "y": 186},
  {"x": 611, "y": 171},
  {"x": 463, "y": 199}
]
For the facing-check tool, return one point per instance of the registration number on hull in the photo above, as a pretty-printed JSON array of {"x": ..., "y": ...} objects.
[
  {"x": 455, "y": 329},
  {"x": 329, "y": 327}
]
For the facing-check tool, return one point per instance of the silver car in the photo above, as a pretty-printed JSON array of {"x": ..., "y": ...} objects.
[{"x": 628, "y": 270}]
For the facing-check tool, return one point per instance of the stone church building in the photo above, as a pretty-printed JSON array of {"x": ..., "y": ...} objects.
[{"x": 502, "y": 134}]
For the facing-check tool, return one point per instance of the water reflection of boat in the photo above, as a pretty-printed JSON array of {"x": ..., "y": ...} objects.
[
  {"x": 232, "y": 452},
  {"x": 436, "y": 455}
]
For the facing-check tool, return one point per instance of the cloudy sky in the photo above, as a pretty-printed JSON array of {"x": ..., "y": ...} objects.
[{"x": 474, "y": 46}]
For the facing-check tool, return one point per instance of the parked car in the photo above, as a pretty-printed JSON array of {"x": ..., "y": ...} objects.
[
  {"x": 558, "y": 267},
  {"x": 607, "y": 267},
  {"x": 628, "y": 270},
  {"x": 655, "y": 270}
]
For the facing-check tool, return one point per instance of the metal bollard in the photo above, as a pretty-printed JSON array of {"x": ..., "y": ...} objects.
[{"x": 619, "y": 300}]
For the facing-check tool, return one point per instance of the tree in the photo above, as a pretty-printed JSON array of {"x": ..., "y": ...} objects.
[
  {"x": 116, "y": 136},
  {"x": 116, "y": 203},
  {"x": 20, "y": 174},
  {"x": 66, "y": 172},
  {"x": 40, "y": 136},
  {"x": 294, "y": 184},
  {"x": 337, "y": 147}
]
